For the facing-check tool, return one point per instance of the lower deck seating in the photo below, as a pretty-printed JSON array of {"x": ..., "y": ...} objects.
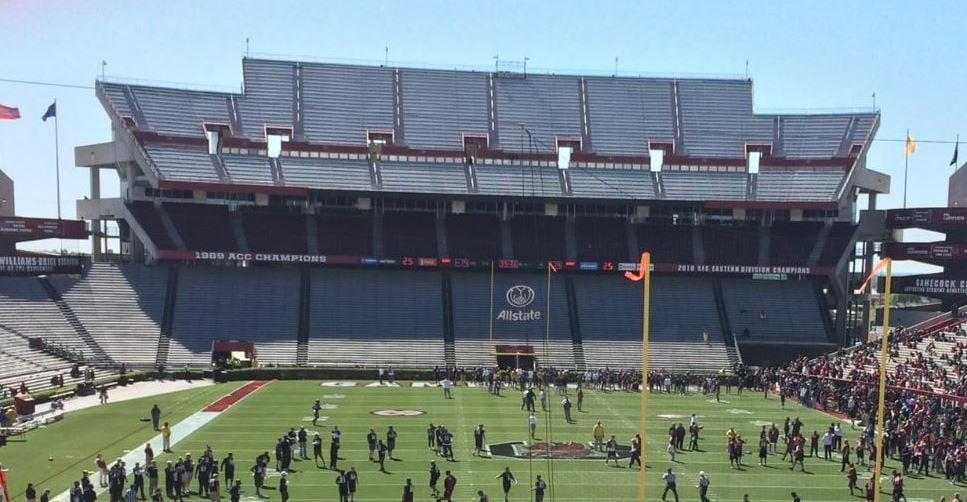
[
  {"x": 254, "y": 304},
  {"x": 376, "y": 318},
  {"x": 682, "y": 309},
  {"x": 121, "y": 306},
  {"x": 774, "y": 311},
  {"x": 28, "y": 312},
  {"x": 518, "y": 315}
]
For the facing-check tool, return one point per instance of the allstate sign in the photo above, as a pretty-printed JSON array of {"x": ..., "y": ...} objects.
[{"x": 519, "y": 297}]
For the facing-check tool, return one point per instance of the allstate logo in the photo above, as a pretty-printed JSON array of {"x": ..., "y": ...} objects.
[{"x": 520, "y": 296}]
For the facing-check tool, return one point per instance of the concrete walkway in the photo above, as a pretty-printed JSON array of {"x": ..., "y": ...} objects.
[{"x": 128, "y": 392}]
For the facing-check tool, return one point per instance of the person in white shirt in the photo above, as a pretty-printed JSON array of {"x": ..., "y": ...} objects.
[
  {"x": 532, "y": 421},
  {"x": 447, "y": 388}
]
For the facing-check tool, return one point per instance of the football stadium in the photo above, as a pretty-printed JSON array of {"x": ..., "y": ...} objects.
[{"x": 358, "y": 281}]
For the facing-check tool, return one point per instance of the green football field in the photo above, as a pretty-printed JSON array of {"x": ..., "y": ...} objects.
[{"x": 253, "y": 425}]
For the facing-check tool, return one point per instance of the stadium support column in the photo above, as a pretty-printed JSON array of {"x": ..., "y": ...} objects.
[
  {"x": 867, "y": 266},
  {"x": 95, "y": 224}
]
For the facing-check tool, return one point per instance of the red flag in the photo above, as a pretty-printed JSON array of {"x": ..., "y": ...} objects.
[{"x": 9, "y": 113}]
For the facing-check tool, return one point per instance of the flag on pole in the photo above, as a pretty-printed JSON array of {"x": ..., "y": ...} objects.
[
  {"x": 51, "y": 112},
  {"x": 953, "y": 161},
  {"x": 911, "y": 145},
  {"x": 9, "y": 113}
]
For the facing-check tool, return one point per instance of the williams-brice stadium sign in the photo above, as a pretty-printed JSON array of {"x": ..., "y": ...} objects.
[
  {"x": 39, "y": 265},
  {"x": 236, "y": 258}
]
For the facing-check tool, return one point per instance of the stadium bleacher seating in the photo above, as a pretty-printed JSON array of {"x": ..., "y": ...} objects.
[
  {"x": 268, "y": 232},
  {"x": 635, "y": 109},
  {"x": 420, "y": 177},
  {"x": 473, "y": 236},
  {"x": 473, "y": 318},
  {"x": 203, "y": 227},
  {"x": 376, "y": 319},
  {"x": 731, "y": 245},
  {"x": 439, "y": 106},
  {"x": 538, "y": 238},
  {"x": 609, "y": 309},
  {"x": 343, "y": 232},
  {"x": 836, "y": 241},
  {"x": 147, "y": 216},
  {"x": 602, "y": 239},
  {"x": 791, "y": 243},
  {"x": 667, "y": 243},
  {"x": 27, "y": 311},
  {"x": 774, "y": 311},
  {"x": 252, "y": 304},
  {"x": 121, "y": 306},
  {"x": 409, "y": 234}
]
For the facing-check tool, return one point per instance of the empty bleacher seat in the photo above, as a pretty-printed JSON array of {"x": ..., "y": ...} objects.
[
  {"x": 423, "y": 177},
  {"x": 625, "y": 113},
  {"x": 790, "y": 243},
  {"x": 774, "y": 311},
  {"x": 717, "y": 119},
  {"x": 409, "y": 234},
  {"x": 731, "y": 245},
  {"x": 611, "y": 183},
  {"x": 376, "y": 318},
  {"x": 601, "y": 238},
  {"x": 798, "y": 185},
  {"x": 538, "y": 238},
  {"x": 837, "y": 243},
  {"x": 343, "y": 102},
  {"x": 183, "y": 163},
  {"x": 326, "y": 174},
  {"x": 609, "y": 310},
  {"x": 441, "y": 106},
  {"x": 269, "y": 96},
  {"x": 472, "y": 322},
  {"x": 180, "y": 112},
  {"x": 533, "y": 112},
  {"x": 347, "y": 233},
  {"x": 121, "y": 306},
  {"x": 269, "y": 232},
  {"x": 813, "y": 136},
  {"x": 699, "y": 186},
  {"x": 150, "y": 221},
  {"x": 666, "y": 243},
  {"x": 253, "y": 304},
  {"x": 516, "y": 180},
  {"x": 203, "y": 227},
  {"x": 473, "y": 236}
]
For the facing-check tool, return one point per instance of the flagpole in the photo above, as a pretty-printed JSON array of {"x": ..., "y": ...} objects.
[
  {"x": 906, "y": 163},
  {"x": 57, "y": 157}
]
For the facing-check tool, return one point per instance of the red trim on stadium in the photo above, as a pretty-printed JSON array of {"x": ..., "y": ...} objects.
[
  {"x": 834, "y": 164},
  {"x": 233, "y": 188}
]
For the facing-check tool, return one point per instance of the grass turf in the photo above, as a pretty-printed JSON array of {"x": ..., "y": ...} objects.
[
  {"x": 253, "y": 426},
  {"x": 111, "y": 429}
]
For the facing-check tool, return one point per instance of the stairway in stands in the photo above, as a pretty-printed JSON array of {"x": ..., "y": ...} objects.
[
  {"x": 97, "y": 355},
  {"x": 730, "y": 346},
  {"x": 305, "y": 297},
  {"x": 167, "y": 318},
  {"x": 449, "y": 349},
  {"x": 576, "y": 340}
]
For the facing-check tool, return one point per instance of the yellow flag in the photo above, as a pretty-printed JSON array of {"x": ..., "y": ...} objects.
[{"x": 911, "y": 145}]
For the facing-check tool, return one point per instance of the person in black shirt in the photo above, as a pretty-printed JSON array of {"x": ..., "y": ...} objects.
[
  {"x": 431, "y": 437},
  {"x": 507, "y": 479},
  {"x": 235, "y": 492},
  {"x": 30, "y": 493},
  {"x": 371, "y": 438},
  {"x": 315, "y": 412},
  {"x": 303, "y": 440},
  {"x": 284, "y": 486},
  {"x": 381, "y": 452},
  {"x": 449, "y": 484},
  {"x": 434, "y": 478},
  {"x": 334, "y": 448},
  {"x": 391, "y": 441},
  {"x": 155, "y": 416},
  {"x": 352, "y": 481},
  {"x": 203, "y": 471},
  {"x": 228, "y": 468},
  {"x": 408, "y": 493},
  {"x": 479, "y": 436},
  {"x": 279, "y": 446},
  {"x": 138, "y": 473},
  {"x": 169, "y": 480},
  {"x": 539, "y": 488},
  {"x": 343, "y": 485},
  {"x": 258, "y": 472}
]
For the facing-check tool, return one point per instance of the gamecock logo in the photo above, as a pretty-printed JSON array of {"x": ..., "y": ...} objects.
[
  {"x": 561, "y": 451},
  {"x": 398, "y": 413},
  {"x": 520, "y": 296}
]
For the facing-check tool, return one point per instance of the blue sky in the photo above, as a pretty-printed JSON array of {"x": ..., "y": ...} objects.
[{"x": 801, "y": 55}]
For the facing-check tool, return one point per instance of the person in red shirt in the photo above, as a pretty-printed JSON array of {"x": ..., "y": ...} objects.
[{"x": 851, "y": 476}]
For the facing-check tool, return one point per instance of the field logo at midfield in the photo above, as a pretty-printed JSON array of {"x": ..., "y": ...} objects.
[
  {"x": 569, "y": 450},
  {"x": 398, "y": 413},
  {"x": 519, "y": 297},
  {"x": 339, "y": 384}
]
